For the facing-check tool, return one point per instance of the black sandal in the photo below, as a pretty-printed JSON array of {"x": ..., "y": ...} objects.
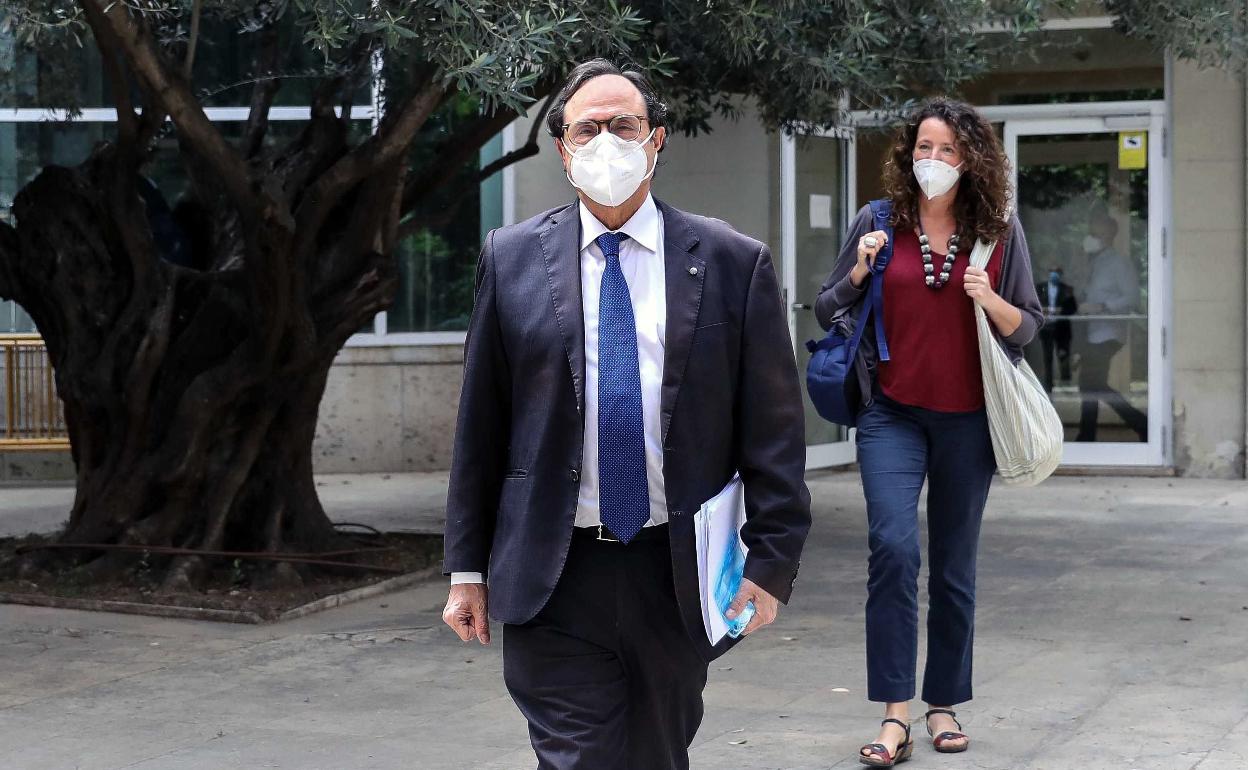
[
  {"x": 938, "y": 741},
  {"x": 877, "y": 753}
]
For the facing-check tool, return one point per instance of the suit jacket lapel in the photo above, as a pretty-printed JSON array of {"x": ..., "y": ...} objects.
[
  {"x": 684, "y": 301},
  {"x": 561, "y": 250}
]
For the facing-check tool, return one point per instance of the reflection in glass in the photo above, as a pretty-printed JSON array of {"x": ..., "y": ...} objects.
[{"x": 1086, "y": 219}]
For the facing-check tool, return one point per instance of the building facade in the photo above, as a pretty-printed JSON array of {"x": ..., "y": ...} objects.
[{"x": 1130, "y": 177}]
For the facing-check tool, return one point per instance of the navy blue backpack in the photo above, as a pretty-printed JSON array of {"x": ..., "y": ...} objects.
[{"x": 830, "y": 377}]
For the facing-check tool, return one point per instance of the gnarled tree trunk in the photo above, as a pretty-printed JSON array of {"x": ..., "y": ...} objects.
[{"x": 191, "y": 392}]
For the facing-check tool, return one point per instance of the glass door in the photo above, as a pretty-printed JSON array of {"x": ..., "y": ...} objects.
[
  {"x": 1089, "y": 192},
  {"x": 816, "y": 200}
]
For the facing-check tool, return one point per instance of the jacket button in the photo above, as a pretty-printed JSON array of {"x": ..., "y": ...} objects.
[{"x": 574, "y": 474}]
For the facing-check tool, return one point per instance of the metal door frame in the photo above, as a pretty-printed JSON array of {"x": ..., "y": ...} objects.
[
  {"x": 1111, "y": 118},
  {"x": 839, "y": 452}
]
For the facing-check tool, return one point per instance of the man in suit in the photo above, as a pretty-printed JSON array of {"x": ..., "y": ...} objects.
[
  {"x": 624, "y": 360},
  {"x": 1055, "y": 335}
]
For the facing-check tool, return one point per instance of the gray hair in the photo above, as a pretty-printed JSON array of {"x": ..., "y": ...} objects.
[{"x": 656, "y": 110}]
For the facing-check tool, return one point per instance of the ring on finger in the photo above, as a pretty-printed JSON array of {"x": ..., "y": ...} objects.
[{"x": 870, "y": 242}]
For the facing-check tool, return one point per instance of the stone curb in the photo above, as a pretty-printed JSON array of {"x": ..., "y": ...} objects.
[
  {"x": 132, "y": 608},
  {"x": 224, "y": 616}
]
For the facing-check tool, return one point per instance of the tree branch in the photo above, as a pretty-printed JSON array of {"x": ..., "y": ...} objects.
[
  {"x": 444, "y": 171},
  {"x": 9, "y": 252},
  {"x": 382, "y": 149},
  {"x": 459, "y": 149},
  {"x": 106, "y": 41},
  {"x": 263, "y": 92},
  {"x": 459, "y": 191},
  {"x": 175, "y": 98},
  {"x": 192, "y": 40},
  {"x": 451, "y": 155}
]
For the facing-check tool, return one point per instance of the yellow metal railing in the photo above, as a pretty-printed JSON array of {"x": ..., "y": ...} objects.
[{"x": 32, "y": 417}]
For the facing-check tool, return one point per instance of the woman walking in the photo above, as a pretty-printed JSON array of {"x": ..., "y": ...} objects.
[{"x": 922, "y": 416}]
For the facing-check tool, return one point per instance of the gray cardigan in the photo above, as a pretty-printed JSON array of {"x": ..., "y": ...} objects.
[{"x": 839, "y": 301}]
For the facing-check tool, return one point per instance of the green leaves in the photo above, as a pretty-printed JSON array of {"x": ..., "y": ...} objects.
[
  {"x": 801, "y": 61},
  {"x": 1209, "y": 32}
]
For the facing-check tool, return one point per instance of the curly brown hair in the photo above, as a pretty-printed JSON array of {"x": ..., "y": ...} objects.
[{"x": 983, "y": 197}]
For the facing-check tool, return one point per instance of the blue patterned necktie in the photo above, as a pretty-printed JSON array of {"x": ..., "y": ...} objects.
[{"x": 623, "y": 494}]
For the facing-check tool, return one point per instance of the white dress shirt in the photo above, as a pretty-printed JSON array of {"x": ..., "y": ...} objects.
[
  {"x": 1115, "y": 284},
  {"x": 641, "y": 260}
]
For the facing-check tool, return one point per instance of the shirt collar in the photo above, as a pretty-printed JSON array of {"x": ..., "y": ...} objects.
[{"x": 642, "y": 226}]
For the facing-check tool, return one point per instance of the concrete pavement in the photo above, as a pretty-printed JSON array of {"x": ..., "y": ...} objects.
[
  {"x": 412, "y": 502},
  {"x": 1112, "y": 633}
]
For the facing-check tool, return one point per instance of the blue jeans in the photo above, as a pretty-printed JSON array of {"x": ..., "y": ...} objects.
[{"x": 898, "y": 447}]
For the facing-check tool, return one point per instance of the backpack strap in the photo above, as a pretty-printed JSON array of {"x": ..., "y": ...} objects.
[{"x": 882, "y": 212}]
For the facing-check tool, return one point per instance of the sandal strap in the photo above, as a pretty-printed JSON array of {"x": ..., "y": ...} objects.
[
  {"x": 948, "y": 735},
  {"x": 877, "y": 748},
  {"x": 903, "y": 726},
  {"x": 952, "y": 714}
]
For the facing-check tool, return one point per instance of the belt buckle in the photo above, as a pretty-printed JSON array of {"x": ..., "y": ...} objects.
[{"x": 610, "y": 536}]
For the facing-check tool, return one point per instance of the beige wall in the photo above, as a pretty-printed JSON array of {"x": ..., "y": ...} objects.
[
  {"x": 1208, "y": 142},
  {"x": 17, "y": 467},
  {"x": 389, "y": 409},
  {"x": 386, "y": 409}
]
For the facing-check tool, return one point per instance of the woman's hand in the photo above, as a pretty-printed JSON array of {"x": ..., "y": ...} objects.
[
  {"x": 977, "y": 286},
  {"x": 1003, "y": 315},
  {"x": 869, "y": 246}
]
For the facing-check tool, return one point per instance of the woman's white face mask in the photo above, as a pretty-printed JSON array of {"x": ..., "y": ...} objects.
[
  {"x": 935, "y": 177},
  {"x": 609, "y": 169}
]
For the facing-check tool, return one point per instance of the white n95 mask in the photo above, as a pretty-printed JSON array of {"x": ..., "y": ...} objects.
[
  {"x": 609, "y": 169},
  {"x": 935, "y": 177}
]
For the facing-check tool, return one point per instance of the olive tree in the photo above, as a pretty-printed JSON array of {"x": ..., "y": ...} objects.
[{"x": 191, "y": 386}]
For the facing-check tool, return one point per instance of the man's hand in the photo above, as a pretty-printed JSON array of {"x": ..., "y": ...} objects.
[
  {"x": 766, "y": 606},
  {"x": 465, "y": 612}
]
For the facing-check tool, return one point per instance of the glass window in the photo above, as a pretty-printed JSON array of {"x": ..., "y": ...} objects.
[
  {"x": 223, "y": 71},
  {"x": 437, "y": 262}
]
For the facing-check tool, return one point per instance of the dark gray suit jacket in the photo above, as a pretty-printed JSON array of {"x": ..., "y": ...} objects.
[{"x": 730, "y": 403}]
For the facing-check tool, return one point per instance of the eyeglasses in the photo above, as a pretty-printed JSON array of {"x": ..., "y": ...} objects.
[{"x": 582, "y": 132}]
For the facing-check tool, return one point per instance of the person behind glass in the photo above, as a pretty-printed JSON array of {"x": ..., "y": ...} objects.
[
  {"x": 1055, "y": 335},
  {"x": 922, "y": 415},
  {"x": 1113, "y": 289}
]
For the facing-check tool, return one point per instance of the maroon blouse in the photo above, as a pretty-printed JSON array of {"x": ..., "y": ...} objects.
[{"x": 932, "y": 342}]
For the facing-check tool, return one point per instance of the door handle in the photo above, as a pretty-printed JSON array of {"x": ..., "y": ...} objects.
[{"x": 802, "y": 306}]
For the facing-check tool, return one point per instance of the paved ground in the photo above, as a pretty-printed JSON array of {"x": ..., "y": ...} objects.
[
  {"x": 389, "y": 501},
  {"x": 1112, "y": 633}
]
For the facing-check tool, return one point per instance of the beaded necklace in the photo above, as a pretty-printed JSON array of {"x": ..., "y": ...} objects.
[{"x": 929, "y": 270}]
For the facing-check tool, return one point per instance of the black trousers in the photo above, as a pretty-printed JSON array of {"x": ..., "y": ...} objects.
[
  {"x": 1055, "y": 340},
  {"x": 606, "y": 674},
  {"x": 1094, "y": 388}
]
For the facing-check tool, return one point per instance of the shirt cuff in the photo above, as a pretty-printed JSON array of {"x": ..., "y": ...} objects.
[{"x": 466, "y": 577}]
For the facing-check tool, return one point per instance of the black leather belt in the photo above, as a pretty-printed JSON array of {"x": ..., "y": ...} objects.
[{"x": 602, "y": 534}]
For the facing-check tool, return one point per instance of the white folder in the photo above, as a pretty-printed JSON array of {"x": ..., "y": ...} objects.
[{"x": 717, "y": 527}]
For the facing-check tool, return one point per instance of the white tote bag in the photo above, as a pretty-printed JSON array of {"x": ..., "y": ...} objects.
[{"x": 1026, "y": 431}]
